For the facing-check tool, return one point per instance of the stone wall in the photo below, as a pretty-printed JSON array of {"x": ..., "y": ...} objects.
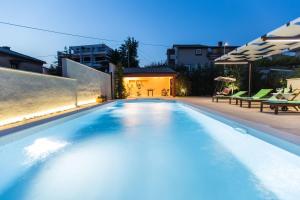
[
  {"x": 90, "y": 82},
  {"x": 23, "y": 94}
]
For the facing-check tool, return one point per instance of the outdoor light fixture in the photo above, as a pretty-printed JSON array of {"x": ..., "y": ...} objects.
[
  {"x": 45, "y": 112},
  {"x": 35, "y": 114},
  {"x": 281, "y": 39}
]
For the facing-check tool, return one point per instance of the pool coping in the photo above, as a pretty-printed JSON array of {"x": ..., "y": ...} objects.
[
  {"x": 57, "y": 116},
  {"x": 289, "y": 137},
  {"x": 264, "y": 128},
  {"x": 219, "y": 116}
]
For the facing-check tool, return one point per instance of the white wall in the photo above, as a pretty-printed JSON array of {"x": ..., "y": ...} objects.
[
  {"x": 25, "y": 93},
  {"x": 90, "y": 82},
  {"x": 295, "y": 82}
]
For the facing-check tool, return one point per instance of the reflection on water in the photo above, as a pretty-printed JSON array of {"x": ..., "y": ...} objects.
[
  {"x": 136, "y": 150},
  {"x": 42, "y": 148}
]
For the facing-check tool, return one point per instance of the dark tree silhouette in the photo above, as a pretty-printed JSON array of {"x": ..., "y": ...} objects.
[{"x": 129, "y": 54}]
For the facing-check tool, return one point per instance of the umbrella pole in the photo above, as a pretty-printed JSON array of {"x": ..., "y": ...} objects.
[{"x": 250, "y": 78}]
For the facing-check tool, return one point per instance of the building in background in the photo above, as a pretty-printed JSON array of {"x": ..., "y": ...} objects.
[
  {"x": 196, "y": 55},
  {"x": 95, "y": 56},
  {"x": 15, "y": 60},
  {"x": 298, "y": 52}
]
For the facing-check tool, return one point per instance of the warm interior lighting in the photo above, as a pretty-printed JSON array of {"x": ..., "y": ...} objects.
[
  {"x": 147, "y": 86},
  {"x": 33, "y": 115}
]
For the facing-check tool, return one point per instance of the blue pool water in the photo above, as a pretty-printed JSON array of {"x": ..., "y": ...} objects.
[{"x": 144, "y": 150}]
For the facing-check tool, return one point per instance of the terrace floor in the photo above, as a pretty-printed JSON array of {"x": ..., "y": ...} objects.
[{"x": 285, "y": 125}]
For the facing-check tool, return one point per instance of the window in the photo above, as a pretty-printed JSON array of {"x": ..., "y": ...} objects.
[
  {"x": 198, "y": 52},
  {"x": 189, "y": 67},
  {"x": 86, "y": 59},
  {"x": 100, "y": 49},
  {"x": 14, "y": 65},
  {"x": 98, "y": 59}
]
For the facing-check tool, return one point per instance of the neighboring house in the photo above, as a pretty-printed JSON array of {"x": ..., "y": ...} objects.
[
  {"x": 195, "y": 55},
  {"x": 298, "y": 53},
  {"x": 15, "y": 60},
  {"x": 149, "y": 82},
  {"x": 95, "y": 56},
  {"x": 281, "y": 71}
]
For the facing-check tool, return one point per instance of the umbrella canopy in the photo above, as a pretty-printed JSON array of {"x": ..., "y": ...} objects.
[
  {"x": 278, "y": 41},
  {"x": 225, "y": 79}
]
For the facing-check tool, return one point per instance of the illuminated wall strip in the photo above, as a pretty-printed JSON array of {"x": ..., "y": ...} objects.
[
  {"x": 80, "y": 103},
  {"x": 33, "y": 115},
  {"x": 42, "y": 113}
]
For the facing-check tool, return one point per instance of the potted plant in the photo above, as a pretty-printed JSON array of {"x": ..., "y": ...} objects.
[{"x": 101, "y": 99}]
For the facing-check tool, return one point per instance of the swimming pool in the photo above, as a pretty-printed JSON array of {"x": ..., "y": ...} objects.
[{"x": 144, "y": 150}]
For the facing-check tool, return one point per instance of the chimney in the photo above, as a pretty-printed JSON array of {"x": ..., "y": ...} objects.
[
  {"x": 6, "y": 47},
  {"x": 220, "y": 44}
]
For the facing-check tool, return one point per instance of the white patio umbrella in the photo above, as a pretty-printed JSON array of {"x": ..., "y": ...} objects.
[
  {"x": 278, "y": 41},
  {"x": 225, "y": 79}
]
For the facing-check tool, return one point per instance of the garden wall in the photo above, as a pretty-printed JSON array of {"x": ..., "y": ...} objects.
[
  {"x": 26, "y": 94},
  {"x": 90, "y": 82}
]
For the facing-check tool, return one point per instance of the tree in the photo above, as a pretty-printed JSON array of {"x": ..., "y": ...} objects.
[
  {"x": 128, "y": 52},
  {"x": 115, "y": 57},
  {"x": 157, "y": 65},
  {"x": 120, "y": 91}
]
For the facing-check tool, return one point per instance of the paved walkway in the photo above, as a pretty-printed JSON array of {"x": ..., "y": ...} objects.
[{"x": 285, "y": 125}]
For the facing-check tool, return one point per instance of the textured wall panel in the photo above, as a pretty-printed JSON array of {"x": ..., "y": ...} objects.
[
  {"x": 25, "y": 93},
  {"x": 90, "y": 82}
]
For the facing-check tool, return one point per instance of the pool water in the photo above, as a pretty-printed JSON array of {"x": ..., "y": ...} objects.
[{"x": 144, "y": 150}]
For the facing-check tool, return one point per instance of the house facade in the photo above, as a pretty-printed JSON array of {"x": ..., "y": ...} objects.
[
  {"x": 149, "y": 82},
  {"x": 95, "y": 56},
  {"x": 196, "y": 55},
  {"x": 14, "y": 60}
]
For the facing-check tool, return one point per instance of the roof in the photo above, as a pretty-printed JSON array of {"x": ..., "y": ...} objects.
[
  {"x": 7, "y": 51},
  {"x": 200, "y": 46},
  {"x": 278, "y": 41},
  {"x": 190, "y": 46},
  {"x": 90, "y": 45},
  {"x": 149, "y": 70}
]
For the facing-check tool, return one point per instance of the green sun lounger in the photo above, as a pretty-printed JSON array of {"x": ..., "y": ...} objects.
[
  {"x": 260, "y": 96},
  {"x": 283, "y": 104},
  {"x": 230, "y": 97}
]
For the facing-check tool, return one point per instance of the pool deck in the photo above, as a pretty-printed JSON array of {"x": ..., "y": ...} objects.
[{"x": 285, "y": 125}]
